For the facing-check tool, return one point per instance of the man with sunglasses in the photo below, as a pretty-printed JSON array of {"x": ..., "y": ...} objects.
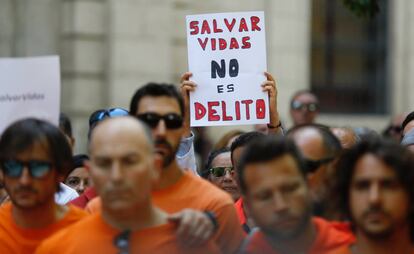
[
  {"x": 304, "y": 107},
  {"x": 219, "y": 170},
  {"x": 320, "y": 148},
  {"x": 178, "y": 191},
  {"x": 34, "y": 158},
  {"x": 125, "y": 169}
]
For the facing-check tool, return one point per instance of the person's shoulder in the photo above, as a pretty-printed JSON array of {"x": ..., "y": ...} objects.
[
  {"x": 67, "y": 235},
  {"x": 207, "y": 189},
  {"x": 163, "y": 239},
  {"x": 332, "y": 235},
  {"x": 75, "y": 212},
  {"x": 256, "y": 242}
]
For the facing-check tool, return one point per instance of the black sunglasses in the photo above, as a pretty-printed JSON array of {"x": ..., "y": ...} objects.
[
  {"x": 311, "y": 107},
  {"x": 313, "y": 165},
  {"x": 221, "y": 171},
  {"x": 121, "y": 242},
  {"x": 172, "y": 120},
  {"x": 37, "y": 169},
  {"x": 101, "y": 114}
]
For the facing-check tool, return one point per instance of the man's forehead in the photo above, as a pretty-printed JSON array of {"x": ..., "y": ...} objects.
[
  {"x": 371, "y": 167},
  {"x": 158, "y": 104},
  {"x": 283, "y": 166},
  {"x": 306, "y": 98}
]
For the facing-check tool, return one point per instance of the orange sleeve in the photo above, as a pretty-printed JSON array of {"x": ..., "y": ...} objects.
[{"x": 230, "y": 234}]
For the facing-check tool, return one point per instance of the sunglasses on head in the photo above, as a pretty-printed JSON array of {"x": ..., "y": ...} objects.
[
  {"x": 221, "y": 171},
  {"x": 311, "y": 107},
  {"x": 37, "y": 169},
  {"x": 99, "y": 115},
  {"x": 121, "y": 242},
  {"x": 172, "y": 120},
  {"x": 313, "y": 165}
]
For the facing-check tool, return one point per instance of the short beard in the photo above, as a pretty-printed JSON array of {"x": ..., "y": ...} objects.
[
  {"x": 303, "y": 223},
  {"x": 168, "y": 158}
]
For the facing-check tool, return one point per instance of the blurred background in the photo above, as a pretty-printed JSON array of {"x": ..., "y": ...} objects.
[{"x": 358, "y": 61}]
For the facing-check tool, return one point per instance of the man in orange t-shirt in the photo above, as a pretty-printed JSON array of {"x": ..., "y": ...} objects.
[
  {"x": 123, "y": 169},
  {"x": 272, "y": 181},
  {"x": 35, "y": 157},
  {"x": 374, "y": 188}
]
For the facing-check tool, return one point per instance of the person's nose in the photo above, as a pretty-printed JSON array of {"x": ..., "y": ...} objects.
[
  {"x": 161, "y": 129},
  {"x": 279, "y": 203},
  {"x": 25, "y": 178},
  {"x": 116, "y": 172},
  {"x": 374, "y": 194},
  {"x": 228, "y": 176}
]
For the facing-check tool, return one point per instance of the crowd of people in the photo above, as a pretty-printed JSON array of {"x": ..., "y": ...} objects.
[{"x": 310, "y": 188}]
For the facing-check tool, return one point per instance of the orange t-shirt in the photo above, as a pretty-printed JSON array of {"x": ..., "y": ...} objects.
[
  {"x": 15, "y": 239},
  {"x": 94, "y": 235},
  {"x": 193, "y": 192},
  {"x": 329, "y": 240}
]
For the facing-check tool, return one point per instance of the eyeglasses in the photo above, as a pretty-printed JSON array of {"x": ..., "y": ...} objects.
[
  {"x": 172, "y": 120},
  {"x": 37, "y": 169},
  {"x": 101, "y": 114},
  {"x": 221, "y": 171},
  {"x": 121, "y": 242},
  {"x": 395, "y": 128},
  {"x": 313, "y": 165},
  {"x": 311, "y": 107}
]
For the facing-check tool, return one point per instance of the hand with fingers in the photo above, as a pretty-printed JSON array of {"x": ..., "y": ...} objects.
[
  {"x": 187, "y": 86},
  {"x": 195, "y": 228},
  {"x": 269, "y": 86}
]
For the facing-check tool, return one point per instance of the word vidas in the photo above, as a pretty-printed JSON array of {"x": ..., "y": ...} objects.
[{"x": 218, "y": 111}]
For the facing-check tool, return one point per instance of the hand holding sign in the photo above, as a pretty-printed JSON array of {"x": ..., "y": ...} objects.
[{"x": 227, "y": 56}]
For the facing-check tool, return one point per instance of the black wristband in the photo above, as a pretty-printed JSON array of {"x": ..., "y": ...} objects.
[
  {"x": 274, "y": 127},
  {"x": 213, "y": 219}
]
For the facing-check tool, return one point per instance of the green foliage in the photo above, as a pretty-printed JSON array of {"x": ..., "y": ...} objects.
[{"x": 363, "y": 8}]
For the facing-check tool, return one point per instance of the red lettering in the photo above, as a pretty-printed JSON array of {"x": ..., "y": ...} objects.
[
  {"x": 215, "y": 28},
  {"x": 225, "y": 116},
  {"x": 246, "y": 43},
  {"x": 237, "y": 110},
  {"x": 205, "y": 28},
  {"x": 230, "y": 25},
  {"x": 243, "y": 25},
  {"x": 260, "y": 109},
  {"x": 203, "y": 44},
  {"x": 199, "y": 110},
  {"x": 247, "y": 103},
  {"x": 233, "y": 43},
  {"x": 213, "y": 44},
  {"x": 194, "y": 27},
  {"x": 212, "y": 113},
  {"x": 255, "y": 20},
  {"x": 222, "y": 44}
]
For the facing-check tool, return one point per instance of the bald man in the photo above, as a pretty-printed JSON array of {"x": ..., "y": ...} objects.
[
  {"x": 319, "y": 147},
  {"x": 124, "y": 170}
]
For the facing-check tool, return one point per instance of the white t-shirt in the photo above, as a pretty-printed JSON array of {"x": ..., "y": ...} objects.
[{"x": 65, "y": 195}]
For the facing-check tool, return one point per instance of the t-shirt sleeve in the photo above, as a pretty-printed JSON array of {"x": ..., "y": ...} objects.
[{"x": 230, "y": 234}]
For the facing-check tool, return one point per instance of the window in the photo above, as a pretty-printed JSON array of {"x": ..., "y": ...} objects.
[{"x": 348, "y": 65}]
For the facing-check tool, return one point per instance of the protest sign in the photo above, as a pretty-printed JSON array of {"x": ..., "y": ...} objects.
[
  {"x": 29, "y": 87},
  {"x": 227, "y": 56}
]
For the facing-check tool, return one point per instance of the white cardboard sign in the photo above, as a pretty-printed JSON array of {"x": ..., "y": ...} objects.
[
  {"x": 29, "y": 87},
  {"x": 227, "y": 56}
]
